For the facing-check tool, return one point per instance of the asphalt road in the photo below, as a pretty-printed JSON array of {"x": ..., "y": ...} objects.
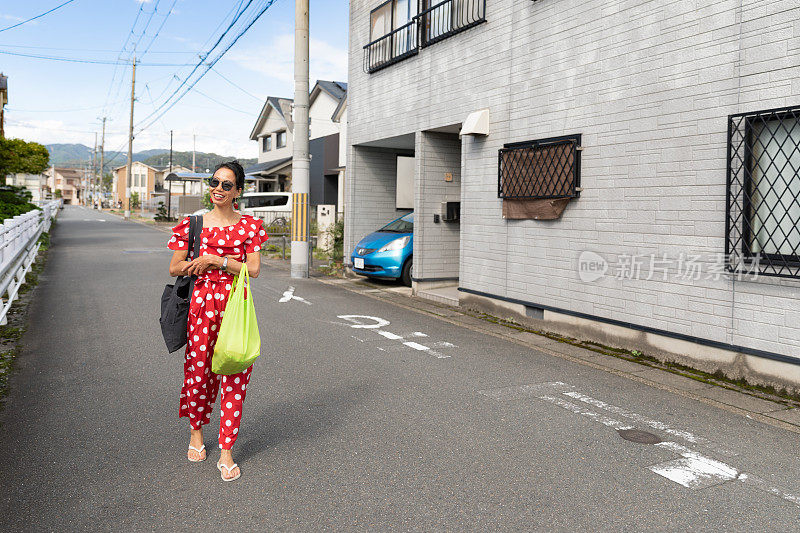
[{"x": 416, "y": 425}]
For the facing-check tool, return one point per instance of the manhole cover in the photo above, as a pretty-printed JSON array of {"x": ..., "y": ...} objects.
[{"x": 637, "y": 435}]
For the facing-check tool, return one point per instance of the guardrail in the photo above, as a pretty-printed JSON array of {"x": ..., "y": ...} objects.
[{"x": 19, "y": 244}]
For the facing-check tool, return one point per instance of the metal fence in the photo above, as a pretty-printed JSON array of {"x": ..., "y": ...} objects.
[
  {"x": 762, "y": 223},
  {"x": 19, "y": 244}
]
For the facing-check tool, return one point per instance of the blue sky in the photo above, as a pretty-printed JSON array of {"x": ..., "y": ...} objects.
[{"x": 61, "y": 102}]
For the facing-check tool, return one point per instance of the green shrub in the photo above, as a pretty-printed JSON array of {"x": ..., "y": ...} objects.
[{"x": 14, "y": 201}]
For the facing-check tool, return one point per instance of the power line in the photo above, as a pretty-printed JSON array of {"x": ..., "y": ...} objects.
[
  {"x": 62, "y": 49},
  {"x": 218, "y": 73},
  {"x": 91, "y": 61},
  {"x": 209, "y": 66},
  {"x": 36, "y": 17},
  {"x": 201, "y": 93},
  {"x": 202, "y": 58}
]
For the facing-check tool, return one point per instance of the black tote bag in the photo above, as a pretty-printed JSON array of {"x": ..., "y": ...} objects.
[{"x": 176, "y": 298}]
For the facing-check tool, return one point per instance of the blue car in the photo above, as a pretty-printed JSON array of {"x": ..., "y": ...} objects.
[{"x": 386, "y": 253}]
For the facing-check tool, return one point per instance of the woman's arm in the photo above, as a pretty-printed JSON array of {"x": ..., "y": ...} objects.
[
  {"x": 206, "y": 262},
  {"x": 253, "y": 262},
  {"x": 178, "y": 265}
]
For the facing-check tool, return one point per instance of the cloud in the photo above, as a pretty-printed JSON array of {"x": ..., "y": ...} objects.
[
  {"x": 12, "y": 18},
  {"x": 276, "y": 61}
]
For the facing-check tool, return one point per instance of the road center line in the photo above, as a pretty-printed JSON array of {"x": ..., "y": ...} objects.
[
  {"x": 389, "y": 335},
  {"x": 416, "y": 346}
]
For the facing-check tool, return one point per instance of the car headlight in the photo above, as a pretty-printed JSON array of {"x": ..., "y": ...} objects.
[{"x": 397, "y": 244}]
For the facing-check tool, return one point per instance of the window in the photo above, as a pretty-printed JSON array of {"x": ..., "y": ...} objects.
[
  {"x": 392, "y": 34},
  {"x": 280, "y": 139},
  {"x": 266, "y": 143},
  {"x": 543, "y": 169},
  {"x": 763, "y": 196}
]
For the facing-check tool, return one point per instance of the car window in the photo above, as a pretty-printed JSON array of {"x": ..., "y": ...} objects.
[
  {"x": 254, "y": 202},
  {"x": 401, "y": 225}
]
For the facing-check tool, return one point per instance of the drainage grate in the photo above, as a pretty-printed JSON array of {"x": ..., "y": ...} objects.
[{"x": 638, "y": 436}]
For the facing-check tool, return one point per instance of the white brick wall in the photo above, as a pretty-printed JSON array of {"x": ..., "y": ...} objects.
[{"x": 649, "y": 85}]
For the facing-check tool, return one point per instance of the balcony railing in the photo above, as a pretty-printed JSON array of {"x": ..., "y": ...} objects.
[
  {"x": 448, "y": 18},
  {"x": 432, "y": 25},
  {"x": 391, "y": 48}
]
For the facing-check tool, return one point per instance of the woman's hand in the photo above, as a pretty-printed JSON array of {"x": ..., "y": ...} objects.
[{"x": 202, "y": 264}]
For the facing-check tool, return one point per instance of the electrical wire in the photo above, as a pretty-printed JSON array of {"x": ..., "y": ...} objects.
[
  {"x": 218, "y": 73},
  {"x": 201, "y": 93},
  {"x": 36, "y": 17},
  {"x": 209, "y": 65},
  {"x": 92, "y": 61}
]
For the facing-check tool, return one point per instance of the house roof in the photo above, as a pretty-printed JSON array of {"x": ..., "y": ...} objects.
[
  {"x": 337, "y": 113},
  {"x": 282, "y": 106},
  {"x": 336, "y": 89},
  {"x": 267, "y": 167}
]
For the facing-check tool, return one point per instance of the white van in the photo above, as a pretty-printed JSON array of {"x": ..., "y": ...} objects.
[{"x": 266, "y": 205}]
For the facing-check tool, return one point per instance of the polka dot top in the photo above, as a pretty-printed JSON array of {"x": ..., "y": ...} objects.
[{"x": 244, "y": 237}]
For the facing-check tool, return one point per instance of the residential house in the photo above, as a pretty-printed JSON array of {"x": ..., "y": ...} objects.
[
  {"x": 273, "y": 131},
  {"x": 67, "y": 180},
  {"x": 143, "y": 181},
  {"x": 621, "y": 172},
  {"x": 35, "y": 183}
]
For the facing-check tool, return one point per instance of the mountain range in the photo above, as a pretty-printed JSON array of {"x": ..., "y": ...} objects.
[{"x": 78, "y": 155}]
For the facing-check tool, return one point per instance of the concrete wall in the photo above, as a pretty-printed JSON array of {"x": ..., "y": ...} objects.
[
  {"x": 436, "y": 245},
  {"x": 374, "y": 193},
  {"x": 649, "y": 85}
]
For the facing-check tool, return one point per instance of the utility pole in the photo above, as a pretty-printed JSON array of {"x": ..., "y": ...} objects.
[
  {"x": 128, "y": 180},
  {"x": 169, "y": 185},
  {"x": 102, "y": 159},
  {"x": 93, "y": 181},
  {"x": 300, "y": 161},
  {"x": 194, "y": 145}
]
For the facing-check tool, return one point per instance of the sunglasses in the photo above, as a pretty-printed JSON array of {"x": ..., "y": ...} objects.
[{"x": 214, "y": 183}]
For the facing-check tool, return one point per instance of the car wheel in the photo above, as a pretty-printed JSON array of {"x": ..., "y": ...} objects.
[{"x": 405, "y": 277}]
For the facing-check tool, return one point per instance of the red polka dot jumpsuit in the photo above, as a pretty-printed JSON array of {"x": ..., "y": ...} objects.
[{"x": 200, "y": 385}]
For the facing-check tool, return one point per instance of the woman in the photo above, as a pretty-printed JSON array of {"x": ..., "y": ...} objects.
[{"x": 228, "y": 241}]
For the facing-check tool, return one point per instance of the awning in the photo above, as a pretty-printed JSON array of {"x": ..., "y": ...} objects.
[
  {"x": 187, "y": 176},
  {"x": 268, "y": 167}
]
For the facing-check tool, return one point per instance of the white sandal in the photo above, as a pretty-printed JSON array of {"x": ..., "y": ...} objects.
[
  {"x": 199, "y": 452},
  {"x": 220, "y": 466}
]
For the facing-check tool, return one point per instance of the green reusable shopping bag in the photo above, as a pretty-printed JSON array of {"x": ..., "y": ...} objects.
[{"x": 238, "y": 342}]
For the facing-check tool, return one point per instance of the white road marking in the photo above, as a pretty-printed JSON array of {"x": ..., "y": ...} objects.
[
  {"x": 289, "y": 295},
  {"x": 437, "y": 354},
  {"x": 577, "y": 409},
  {"x": 356, "y": 323},
  {"x": 692, "y": 470},
  {"x": 444, "y": 344},
  {"x": 418, "y": 334},
  {"x": 389, "y": 335},
  {"x": 416, "y": 346},
  {"x": 522, "y": 392},
  {"x": 655, "y": 424}
]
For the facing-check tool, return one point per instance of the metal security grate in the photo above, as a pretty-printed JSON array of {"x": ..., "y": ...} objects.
[
  {"x": 547, "y": 168},
  {"x": 763, "y": 191}
]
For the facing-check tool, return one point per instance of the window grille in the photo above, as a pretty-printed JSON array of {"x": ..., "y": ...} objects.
[
  {"x": 763, "y": 187},
  {"x": 547, "y": 168}
]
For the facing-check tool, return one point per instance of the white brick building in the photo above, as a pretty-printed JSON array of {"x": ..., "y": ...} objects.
[{"x": 649, "y": 88}]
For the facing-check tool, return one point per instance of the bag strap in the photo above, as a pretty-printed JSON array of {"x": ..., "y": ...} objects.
[{"x": 195, "y": 232}]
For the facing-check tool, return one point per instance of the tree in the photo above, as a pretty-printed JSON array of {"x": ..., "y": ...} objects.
[
  {"x": 18, "y": 156},
  {"x": 134, "y": 200},
  {"x": 108, "y": 181}
]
